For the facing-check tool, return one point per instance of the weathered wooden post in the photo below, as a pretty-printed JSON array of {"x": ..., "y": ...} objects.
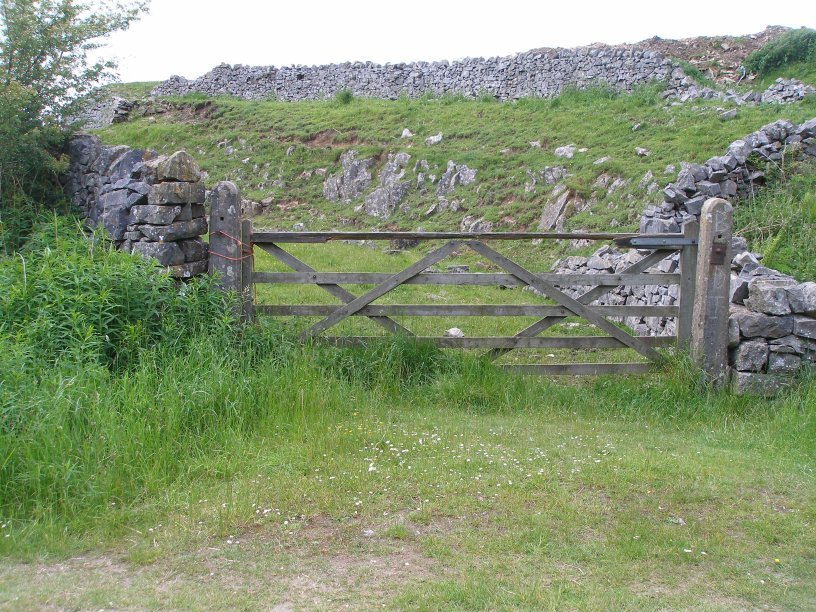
[
  {"x": 225, "y": 237},
  {"x": 247, "y": 262},
  {"x": 688, "y": 283},
  {"x": 709, "y": 332}
]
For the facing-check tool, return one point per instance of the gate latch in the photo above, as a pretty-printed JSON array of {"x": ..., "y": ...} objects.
[{"x": 718, "y": 250}]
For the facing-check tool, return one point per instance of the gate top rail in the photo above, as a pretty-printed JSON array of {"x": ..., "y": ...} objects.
[{"x": 657, "y": 240}]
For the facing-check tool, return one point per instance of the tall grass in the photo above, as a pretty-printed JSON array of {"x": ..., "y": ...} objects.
[
  {"x": 91, "y": 341},
  {"x": 780, "y": 220},
  {"x": 68, "y": 297},
  {"x": 793, "y": 46}
]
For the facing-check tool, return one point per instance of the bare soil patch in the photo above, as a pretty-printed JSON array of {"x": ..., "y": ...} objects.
[{"x": 332, "y": 138}]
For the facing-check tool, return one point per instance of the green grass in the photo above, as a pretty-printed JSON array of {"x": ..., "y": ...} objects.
[
  {"x": 804, "y": 71},
  {"x": 143, "y": 465},
  {"x": 469, "y": 489},
  {"x": 130, "y": 91},
  {"x": 792, "y": 49},
  {"x": 247, "y": 141},
  {"x": 780, "y": 221},
  {"x": 241, "y": 469}
]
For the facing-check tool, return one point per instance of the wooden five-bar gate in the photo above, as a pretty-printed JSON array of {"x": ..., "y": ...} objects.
[{"x": 232, "y": 242}]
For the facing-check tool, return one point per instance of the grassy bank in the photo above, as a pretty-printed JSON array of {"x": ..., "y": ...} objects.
[{"x": 275, "y": 149}]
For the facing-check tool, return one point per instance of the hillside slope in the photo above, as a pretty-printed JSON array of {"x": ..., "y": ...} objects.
[{"x": 282, "y": 154}]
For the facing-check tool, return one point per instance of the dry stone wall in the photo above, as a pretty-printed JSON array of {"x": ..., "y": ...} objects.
[
  {"x": 737, "y": 173},
  {"x": 544, "y": 72},
  {"x": 148, "y": 204},
  {"x": 541, "y": 72},
  {"x": 772, "y": 324}
]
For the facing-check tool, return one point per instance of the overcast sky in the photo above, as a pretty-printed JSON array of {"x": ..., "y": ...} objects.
[{"x": 189, "y": 37}]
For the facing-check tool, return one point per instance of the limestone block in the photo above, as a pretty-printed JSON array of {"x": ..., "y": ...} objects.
[
  {"x": 178, "y": 230},
  {"x": 756, "y": 325},
  {"x": 129, "y": 165},
  {"x": 139, "y": 187},
  {"x": 194, "y": 249},
  {"x": 194, "y": 211},
  {"x": 657, "y": 225},
  {"x": 804, "y": 326},
  {"x": 769, "y": 296},
  {"x": 455, "y": 174},
  {"x": 165, "y": 253},
  {"x": 733, "y": 333},
  {"x": 188, "y": 270},
  {"x": 792, "y": 344},
  {"x": 802, "y": 298},
  {"x": 686, "y": 182},
  {"x": 738, "y": 290},
  {"x": 383, "y": 201},
  {"x": 115, "y": 212},
  {"x": 740, "y": 150},
  {"x": 164, "y": 194},
  {"x": 432, "y": 140},
  {"x": 180, "y": 166},
  {"x": 750, "y": 356},
  {"x": 352, "y": 182},
  {"x": 784, "y": 363},
  {"x": 694, "y": 205},
  {"x": 156, "y": 215},
  {"x": 709, "y": 189},
  {"x": 754, "y": 383}
]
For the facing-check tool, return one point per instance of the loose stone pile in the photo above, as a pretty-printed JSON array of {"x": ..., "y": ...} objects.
[
  {"x": 148, "y": 204},
  {"x": 782, "y": 91},
  {"x": 736, "y": 173},
  {"x": 607, "y": 260},
  {"x": 772, "y": 324},
  {"x": 785, "y": 91}
]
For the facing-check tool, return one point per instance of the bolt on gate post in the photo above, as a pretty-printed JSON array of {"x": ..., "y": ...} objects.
[
  {"x": 230, "y": 248},
  {"x": 709, "y": 331}
]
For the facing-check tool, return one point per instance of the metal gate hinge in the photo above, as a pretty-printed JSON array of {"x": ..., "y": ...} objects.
[{"x": 718, "y": 250}]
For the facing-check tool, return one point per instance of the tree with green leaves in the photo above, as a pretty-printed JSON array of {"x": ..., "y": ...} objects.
[{"x": 46, "y": 69}]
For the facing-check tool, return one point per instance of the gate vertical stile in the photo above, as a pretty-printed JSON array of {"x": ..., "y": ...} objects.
[
  {"x": 688, "y": 284},
  {"x": 709, "y": 333},
  {"x": 225, "y": 248},
  {"x": 247, "y": 270}
]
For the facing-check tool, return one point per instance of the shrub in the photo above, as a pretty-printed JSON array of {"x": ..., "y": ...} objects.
[
  {"x": 793, "y": 46},
  {"x": 344, "y": 96},
  {"x": 68, "y": 297}
]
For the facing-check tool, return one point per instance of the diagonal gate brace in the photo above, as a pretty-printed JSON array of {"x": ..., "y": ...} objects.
[
  {"x": 389, "y": 284},
  {"x": 564, "y": 300},
  {"x": 336, "y": 290},
  {"x": 585, "y": 298}
]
